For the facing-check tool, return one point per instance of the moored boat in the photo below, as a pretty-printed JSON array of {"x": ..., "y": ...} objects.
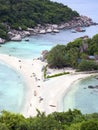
[
  {"x": 78, "y": 29},
  {"x": 73, "y": 31}
]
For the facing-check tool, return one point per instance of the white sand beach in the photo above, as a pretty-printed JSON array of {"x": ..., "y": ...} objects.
[{"x": 40, "y": 94}]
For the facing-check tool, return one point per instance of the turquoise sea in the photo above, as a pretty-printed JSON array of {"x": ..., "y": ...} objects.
[
  {"x": 12, "y": 87},
  {"x": 81, "y": 97}
]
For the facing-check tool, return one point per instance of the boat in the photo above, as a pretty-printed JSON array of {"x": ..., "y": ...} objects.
[
  {"x": 27, "y": 39},
  {"x": 73, "y": 31},
  {"x": 79, "y": 29}
]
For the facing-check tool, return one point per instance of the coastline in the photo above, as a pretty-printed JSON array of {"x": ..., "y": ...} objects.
[
  {"x": 42, "y": 95},
  {"x": 26, "y": 68},
  {"x": 58, "y": 88},
  {"x": 77, "y": 22},
  {"x": 61, "y": 100}
]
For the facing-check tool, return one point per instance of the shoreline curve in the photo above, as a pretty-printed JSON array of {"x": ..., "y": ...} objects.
[{"x": 42, "y": 95}]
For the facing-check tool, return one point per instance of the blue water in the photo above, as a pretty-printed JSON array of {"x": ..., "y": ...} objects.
[
  {"x": 34, "y": 47},
  {"x": 11, "y": 89},
  {"x": 81, "y": 97},
  {"x": 36, "y": 44},
  {"x": 24, "y": 49}
]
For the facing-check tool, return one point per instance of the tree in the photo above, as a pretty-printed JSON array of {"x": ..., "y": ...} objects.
[
  {"x": 57, "y": 57},
  {"x": 75, "y": 126},
  {"x": 73, "y": 55},
  {"x": 13, "y": 121},
  {"x": 3, "y": 126},
  {"x": 89, "y": 125},
  {"x": 87, "y": 65}
]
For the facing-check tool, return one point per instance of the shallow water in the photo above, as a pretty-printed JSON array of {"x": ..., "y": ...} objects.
[
  {"x": 11, "y": 89},
  {"x": 81, "y": 97},
  {"x": 38, "y": 43}
]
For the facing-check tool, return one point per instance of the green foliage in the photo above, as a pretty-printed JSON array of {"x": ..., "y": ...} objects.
[
  {"x": 83, "y": 56},
  {"x": 56, "y": 75},
  {"x": 93, "y": 45},
  {"x": 70, "y": 120},
  {"x": 75, "y": 54},
  {"x": 73, "y": 57},
  {"x": 3, "y": 126},
  {"x": 45, "y": 71},
  {"x": 28, "y": 13},
  {"x": 75, "y": 126},
  {"x": 89, "y": 125},
  {"x": 75, "y": 44},
  {"x": 87, "y": 65},
  {"x": 57, "y": 57},
  {"x": 3, "y": 31},
  {"x": 13, "y": 121}
]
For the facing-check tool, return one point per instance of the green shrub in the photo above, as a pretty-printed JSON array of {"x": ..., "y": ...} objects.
[
  {"x": 56, "y": 75},
  {"x": 86, "y": 65}
]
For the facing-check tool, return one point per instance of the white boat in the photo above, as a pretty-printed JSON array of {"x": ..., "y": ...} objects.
[{"x": 73, "y": 31}]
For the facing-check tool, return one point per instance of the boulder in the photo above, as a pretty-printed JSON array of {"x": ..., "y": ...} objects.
[
  {"x": 26, "y": 33},
  {"x": 56, "y": 31},
  {"x": 42, "y": 31},
  {"x": 2, "y": 41},
  {"x": 30, "y": 29},
  {"x": 16, "y": 38},
  {"x": 49, "y": 30},
  {"x": 11, "y": 34},
  {"x": 90, "y": 86},
  {"x": 44, "y": 54},
  {"x": 55, "y": 26}
]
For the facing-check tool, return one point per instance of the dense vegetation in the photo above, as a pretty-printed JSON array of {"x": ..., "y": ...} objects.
[
  {"x": 81, "y": 54},
  {"x": 29, "y": 13},
  {"x": 70, "y": 120}
]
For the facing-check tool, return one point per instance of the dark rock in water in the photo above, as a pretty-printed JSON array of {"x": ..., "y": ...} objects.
[
  {"x": 93, "y": 87},
  {"x": 90, "y": 86}
]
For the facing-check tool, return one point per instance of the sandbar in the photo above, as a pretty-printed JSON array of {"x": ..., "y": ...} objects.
[{"x": 40, "y": 94}]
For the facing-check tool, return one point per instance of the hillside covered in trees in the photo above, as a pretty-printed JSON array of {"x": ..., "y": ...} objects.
[
  {"x": 81, "y": 54},
  {"x": 29, "y": 13},
  {"x": 70, "y": 120}
]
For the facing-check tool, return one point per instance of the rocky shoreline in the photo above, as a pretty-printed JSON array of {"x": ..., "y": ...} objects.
[{"x": 17, "y": 35}]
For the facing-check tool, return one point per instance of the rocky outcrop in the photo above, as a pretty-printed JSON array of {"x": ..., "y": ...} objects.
[
  {"x": 16, "y": 38},
  {"x": 2, "y": 41},
  {"x": 56, "y": 31},
  {"x": 26, "y": 33},
  {"x": 49, "y": 30},
  {"x": 44, "y": 54},
  {"x": 82, "y": 21},
  {"x": 42, "y": 31}
]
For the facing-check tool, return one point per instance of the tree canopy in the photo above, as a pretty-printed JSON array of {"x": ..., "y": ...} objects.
[
  {"x": 70, "y": 120},
  {"x": 28, "y": 13},
  {"x": 75, "y": 54}
]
